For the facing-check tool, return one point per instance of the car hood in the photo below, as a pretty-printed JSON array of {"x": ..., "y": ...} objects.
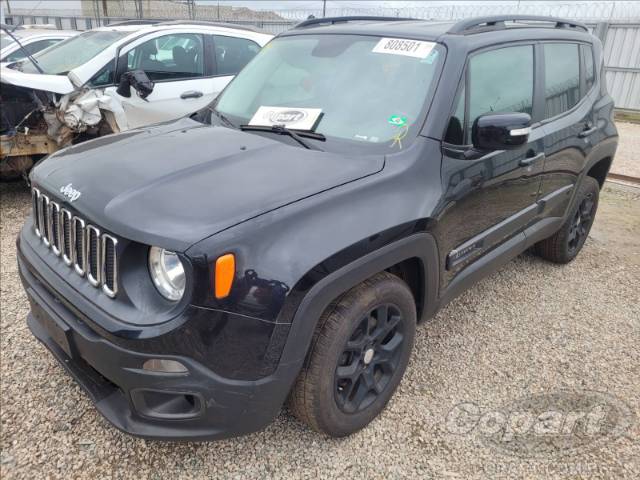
[
  {"x": 37, "y": 81},
  {"x": 176, "y": 183}
]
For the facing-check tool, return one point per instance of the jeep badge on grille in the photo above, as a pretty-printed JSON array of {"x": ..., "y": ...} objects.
[{"x": 71, "y": 193}]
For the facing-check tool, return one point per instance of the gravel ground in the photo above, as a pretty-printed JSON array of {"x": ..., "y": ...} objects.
[
  {"x": 530, "y": 328},
  {"x": 626, "y": 161}
]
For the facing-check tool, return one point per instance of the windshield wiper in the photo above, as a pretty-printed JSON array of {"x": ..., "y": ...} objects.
[
  {"x": 222, "y": 117},
  {"x": 295, "y": 134},
  {"x": 24, "y": 50}
]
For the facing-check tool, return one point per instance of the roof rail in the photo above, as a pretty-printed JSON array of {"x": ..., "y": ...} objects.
[
  {"x": 498, "y": 22},
  {"x": 334, "y": 20},
  {"x": 132, "y": 22},
  {"x": 210, "y": 24}
]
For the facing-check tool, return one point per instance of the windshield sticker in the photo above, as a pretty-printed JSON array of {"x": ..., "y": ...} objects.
[
  {"x": 408, "y": 48},
  {"x": 402, "y": 129},
  {"x": 290, "y": 117},
  {"x": 397, "y": 120},
  {"x": 399, "y": 136}
]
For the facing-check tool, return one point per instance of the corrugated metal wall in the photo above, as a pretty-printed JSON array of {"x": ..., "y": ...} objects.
[{"x": 622, "y": 63}]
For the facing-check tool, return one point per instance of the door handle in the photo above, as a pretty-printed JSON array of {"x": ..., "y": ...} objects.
[
  {"x": 526, "y": 162},
  {"x": 587, "y": 131},
  {"x": 191, "y": 94}
]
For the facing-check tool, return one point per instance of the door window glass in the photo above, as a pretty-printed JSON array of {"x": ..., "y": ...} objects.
[
  {"x": 232, "y": 54},
  {"x": 589, "y": 70},
  {"x": 170, "y": 57},
  {"x": 500, "y": 81},
  {"x": 561, "y": 77}
]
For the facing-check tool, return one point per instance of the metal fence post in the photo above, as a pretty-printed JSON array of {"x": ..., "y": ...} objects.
[{"x": 601, "y": 31}]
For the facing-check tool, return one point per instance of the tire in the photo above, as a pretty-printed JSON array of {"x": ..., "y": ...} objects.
[
  {"x": 350, "y": 374},
  {"x": 566, "y": 243}
]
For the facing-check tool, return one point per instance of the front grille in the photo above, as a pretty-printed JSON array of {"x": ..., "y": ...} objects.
[{"x": 92, "y": 254}]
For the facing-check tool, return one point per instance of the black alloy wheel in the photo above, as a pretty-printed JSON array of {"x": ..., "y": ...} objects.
[{"x": 369, "y": 359}]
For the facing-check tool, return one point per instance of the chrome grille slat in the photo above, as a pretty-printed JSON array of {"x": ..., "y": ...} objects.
[
  {"x": 79, "y": 246},
  {"x": 92, "y": 255},
  {"x": 44, "y": 218},
  {"x": 35, "y": 199},
  {"x": 54, "y": 227},
  {"x": 109, "y": 265},
  {"x": 82, "y": 246},
  {"x": 66, "y": 236}
]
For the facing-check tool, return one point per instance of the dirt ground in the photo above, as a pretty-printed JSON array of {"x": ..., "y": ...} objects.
[
  {"x": 627, "y": 159},
  {"x": 563, "y": 339}
]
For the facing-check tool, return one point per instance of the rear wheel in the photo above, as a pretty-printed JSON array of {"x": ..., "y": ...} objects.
[
  {"x": 566, "y": 243},
  {"x": 358, "y": 357}
]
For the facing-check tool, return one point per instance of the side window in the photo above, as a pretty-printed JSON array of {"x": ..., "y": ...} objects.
[
  {"x": 104, "y": 76},
  {"x": 498, "y": 81},
  {"x": 561, "y": 77},
  {"x": 589, "y": 70},
  {"x": 32, "y": 48},
  {"x": 233, "y": 53},
  {"x": 170, "y": 57}
]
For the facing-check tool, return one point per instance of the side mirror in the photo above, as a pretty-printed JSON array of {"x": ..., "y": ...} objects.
[
  {"x": 501, "y": 131},
  {"x": 137, "y": 79},
  {"x": 124, "y": 87}
]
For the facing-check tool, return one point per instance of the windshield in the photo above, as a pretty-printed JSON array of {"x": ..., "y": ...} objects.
[
  {"x": 5, "y": 41},
  {"x": 73, "y": 52},
  {"x": 365, "y": 93}
]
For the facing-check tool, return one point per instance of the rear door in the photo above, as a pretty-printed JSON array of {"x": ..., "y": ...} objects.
[
  {"x": 568, "y": 122},
  {"x": 231, "y": 54},
  {"x": 490, "y": 196}
]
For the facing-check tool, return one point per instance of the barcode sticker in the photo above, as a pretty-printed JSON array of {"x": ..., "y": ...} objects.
[{"x": 406, "y": 47}]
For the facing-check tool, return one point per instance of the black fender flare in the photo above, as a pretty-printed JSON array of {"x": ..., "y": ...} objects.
[{"x": 419, "y": 245}]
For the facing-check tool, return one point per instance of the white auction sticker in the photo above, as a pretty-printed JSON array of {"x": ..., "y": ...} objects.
[
  {"x": 290, "y": 117},
  {"x": 401, "y": 46}
]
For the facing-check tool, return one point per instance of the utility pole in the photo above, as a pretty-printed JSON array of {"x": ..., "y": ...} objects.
[
  {"x": 324, "y": 8},
  {"x": 8, "y": 8}
]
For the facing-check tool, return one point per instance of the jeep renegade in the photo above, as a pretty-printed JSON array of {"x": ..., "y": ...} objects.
[{"x": 284, "y": 242}]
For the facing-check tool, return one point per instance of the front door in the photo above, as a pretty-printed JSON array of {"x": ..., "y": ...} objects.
[
  {"x": 176, "y": 64},
  {"x": 489, "y": 196}
]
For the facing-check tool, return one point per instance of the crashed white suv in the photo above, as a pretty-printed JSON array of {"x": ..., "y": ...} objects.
[{"x": 112, "y": 79}]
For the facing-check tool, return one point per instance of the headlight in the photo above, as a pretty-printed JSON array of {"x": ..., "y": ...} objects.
[{"x": 167, "y": 273}]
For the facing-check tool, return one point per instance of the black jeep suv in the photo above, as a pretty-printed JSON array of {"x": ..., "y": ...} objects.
[{"x": 355, "y": 177}]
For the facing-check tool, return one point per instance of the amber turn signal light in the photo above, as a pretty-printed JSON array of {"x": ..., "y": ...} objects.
[{"x": 225, "y": 271}]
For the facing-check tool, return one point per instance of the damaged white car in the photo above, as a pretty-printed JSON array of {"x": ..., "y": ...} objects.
[{"x": 113, "y": 79}]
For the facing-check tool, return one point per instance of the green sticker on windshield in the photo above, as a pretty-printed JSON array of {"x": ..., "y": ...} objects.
[{"x": 397, "y": 120}]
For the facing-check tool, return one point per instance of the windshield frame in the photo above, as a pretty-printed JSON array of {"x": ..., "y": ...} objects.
[{"x": 345, "y": 145}]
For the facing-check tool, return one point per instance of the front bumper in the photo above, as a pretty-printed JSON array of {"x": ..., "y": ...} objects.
[{"x": 198, "y": 405}]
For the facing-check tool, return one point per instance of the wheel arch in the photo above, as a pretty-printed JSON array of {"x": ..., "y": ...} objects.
[
  {"x": 415, "y": 257},
  {"x": 600, "y": 169}
]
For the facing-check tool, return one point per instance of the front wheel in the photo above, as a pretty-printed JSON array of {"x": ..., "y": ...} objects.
[
  {"x": 566, "y": 243},
  {"x": 358, "y": 356}
]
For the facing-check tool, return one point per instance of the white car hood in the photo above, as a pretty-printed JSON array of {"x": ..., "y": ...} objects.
[{"x": 48, "y": 83}]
